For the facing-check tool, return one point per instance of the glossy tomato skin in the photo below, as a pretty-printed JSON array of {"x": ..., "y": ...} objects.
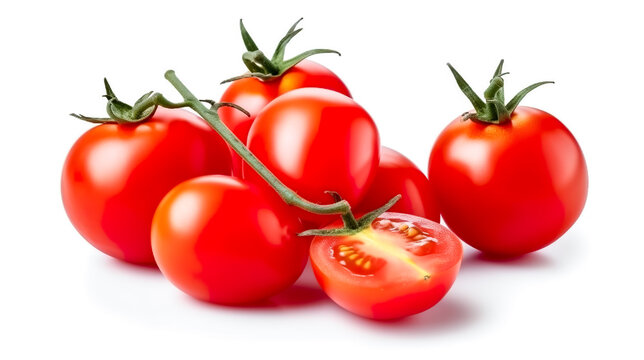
[
  {"x": 509, "y": 189},
  {"x": 253, "y": 95},
  {"x": 316, "y": 140},
  {"x": 397, "y": 174},
  {"x": 404, "y": 277},
  {"x": 115, "y": 175},
  {"x": 224, "y": 240}
]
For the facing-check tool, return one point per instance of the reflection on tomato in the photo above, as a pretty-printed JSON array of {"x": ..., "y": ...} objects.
[
  {"x": 115, "y": 176},
  {"x": 253, "y": 95},
  {"x": 400, "y": 266},
  {"x": 509, "y": 189},
  {"x": 224, "y": 240},
  {"x": 398, "y": 175}
]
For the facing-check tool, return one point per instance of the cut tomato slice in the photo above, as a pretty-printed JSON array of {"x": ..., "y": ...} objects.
[{"x": 400, "y": 266}]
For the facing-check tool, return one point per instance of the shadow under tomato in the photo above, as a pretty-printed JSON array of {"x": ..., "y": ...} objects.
[
  {"x": 153, "y": 268},
  {"x": 294, "y": 296},
  {"x": 305, "y": 291},
  {"x": 531, "y": 260},
  {"x": 450, "y": 314}
]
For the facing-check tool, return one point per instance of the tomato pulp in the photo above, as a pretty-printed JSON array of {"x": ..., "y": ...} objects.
[
  {"x": 400, "y": 266},
  {"x": 115, "y": 176},
  {"x": 224, "y": 240},
  {"x": 253, "y": 95},
  {"x": 512, "y": 188}
]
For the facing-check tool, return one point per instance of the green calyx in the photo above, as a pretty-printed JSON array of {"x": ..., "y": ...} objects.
[
  {"x": 263, "y": 68},
  {"x": 122, "y": 113},
  {"x": 352, "y": 225},
  {"x": 493, "y": 110}
]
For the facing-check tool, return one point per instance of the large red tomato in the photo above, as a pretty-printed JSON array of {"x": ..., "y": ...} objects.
[
  {"x": 316, "y": 140},
  {"x": 224, "y": 240},
  {"x": 253, "y": 95},
  {"x": 115, "y": 176},
  {"x": 512, "y": 188},
  {"x": 399, "y": 266},
  {"x": 398, "y": 175}
]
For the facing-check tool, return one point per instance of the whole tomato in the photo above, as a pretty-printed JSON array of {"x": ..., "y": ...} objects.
[
  {"x": 316, "y": 140},
  {"x": 398, "y": 266},
  {"x": 510, "y": 187},
  {"x": 253, "y": 93},
  {"x": 225, "y": 240},
  {"x": 396, "y": 174},
  {"x": 115, "y": 175}
]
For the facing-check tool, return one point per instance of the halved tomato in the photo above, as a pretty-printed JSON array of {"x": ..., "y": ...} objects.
[{"x": 400, "y": 266}]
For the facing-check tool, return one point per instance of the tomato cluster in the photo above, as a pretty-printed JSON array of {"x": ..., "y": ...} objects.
[{"x": 209, "y": 205}]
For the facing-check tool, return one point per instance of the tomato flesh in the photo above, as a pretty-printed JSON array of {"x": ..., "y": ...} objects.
[
  {"x": 397, "y": 174},
  {"x": 512, "y": 188},
  {"x": 253, "y": 95},
  {"x": 223, "y": 240},
  {"x": 400, "y": 266},
  {"x": 316, "y": 140},
  {"x": 115, "y": 176}
]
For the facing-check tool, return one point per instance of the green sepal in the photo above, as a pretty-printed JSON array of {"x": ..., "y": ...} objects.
[
  {"x": 265, "y": 69},
  {"x": 120, "y": 112},
  {"x": 363, "y": 223},
  {"x": 512, "y": 104},
  {"x": 214, "y": 106},
  {"x": 493, "y": 110}
]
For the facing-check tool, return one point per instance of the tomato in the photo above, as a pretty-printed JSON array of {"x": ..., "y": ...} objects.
[
  {"x": 512, "y": 188},
  {"x": 398, "y": 175},
  {"x": 224, "y": 240},
  {"x": 316, "y": 140},
  {"x": 253, "y": 95},
  {"x": 115, "y": 176},
  {"x": 399, "y": 266}
]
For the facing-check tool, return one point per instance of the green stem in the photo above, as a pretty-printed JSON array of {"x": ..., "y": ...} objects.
[
  {"x": 288, "y": 195},
  {"x": 154, "y": 100},
  {"x": 348, "y": 219}
]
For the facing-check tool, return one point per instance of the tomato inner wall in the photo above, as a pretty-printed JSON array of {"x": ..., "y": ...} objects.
[{"x": 388, "y": 243}]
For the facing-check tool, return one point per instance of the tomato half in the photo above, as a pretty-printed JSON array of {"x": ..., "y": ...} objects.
[
  {"x": 398, "y": 175},
  {"x": 115, "y": 176},
  {"x": 224, "y": 240},
  {"x": 512, "y": 188},
  {"x": 316, "y": 140},
  {"x": 400, "y": 266},
  {"x": 253, "y": 95}
]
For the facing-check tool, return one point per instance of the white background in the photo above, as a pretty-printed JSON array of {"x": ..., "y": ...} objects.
[{"x": 579, "y": 297}]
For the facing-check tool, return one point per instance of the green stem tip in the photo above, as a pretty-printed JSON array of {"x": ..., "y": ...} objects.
[
  {"x": 493, "y": 110},
  {"x": 263, "y": 68}
]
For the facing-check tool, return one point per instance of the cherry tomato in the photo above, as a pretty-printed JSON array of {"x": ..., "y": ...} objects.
[
  {"x": 224, "y": 240},
  {"x": 115, "y": 175},
  {"x": 253, "y": 95},
  {"x": 400, "y": 266},
  {"x": 316, "y": 140},
  {"x": 398, "y": 175},
  {"x": 512, "y": 188}
]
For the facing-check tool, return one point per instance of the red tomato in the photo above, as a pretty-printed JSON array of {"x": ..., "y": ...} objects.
[
  {"x": 316, "y": 140},
  {"x": 398, "y": 175},
  {"x": 509, "y": 189},
  {"x": 224, "y": 240},
  {"x": 115, "y": 175},
  {"x": 400, "y": 266},
  {"x": 253, "y": 95}
]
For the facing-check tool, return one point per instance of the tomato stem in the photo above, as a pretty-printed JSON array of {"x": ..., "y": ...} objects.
[
  {"x": 288, "y": 195},
  {"x": 493, "y": 110},
  {"x": 348, "y": 219},
  {"x": 265, "y": 69}
]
